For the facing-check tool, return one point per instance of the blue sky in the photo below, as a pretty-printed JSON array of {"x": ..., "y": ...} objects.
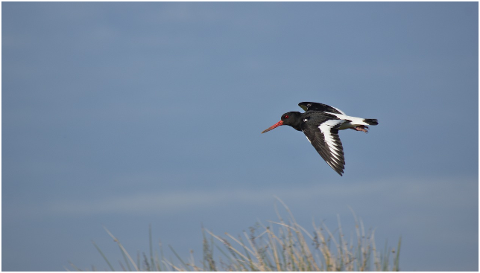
[{"x": 129, "y": 114}]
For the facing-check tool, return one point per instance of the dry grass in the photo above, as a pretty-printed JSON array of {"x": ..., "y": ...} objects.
[{"x": 281, "y": 246}]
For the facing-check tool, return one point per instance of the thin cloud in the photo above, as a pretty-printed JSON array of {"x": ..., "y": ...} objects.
[{"x": 418, "y": 191}]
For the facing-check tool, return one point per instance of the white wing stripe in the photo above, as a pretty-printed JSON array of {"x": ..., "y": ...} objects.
[{"x": 325, "y": 128}]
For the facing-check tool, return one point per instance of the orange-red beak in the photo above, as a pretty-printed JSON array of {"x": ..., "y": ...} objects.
[{"x": 273, "y": 126}]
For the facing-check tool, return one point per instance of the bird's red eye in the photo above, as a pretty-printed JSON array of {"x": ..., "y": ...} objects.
[{"x": 286, "y": 116}]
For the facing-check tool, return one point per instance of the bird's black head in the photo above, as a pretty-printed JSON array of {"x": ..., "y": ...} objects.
[{"x": 293, "y": 119}]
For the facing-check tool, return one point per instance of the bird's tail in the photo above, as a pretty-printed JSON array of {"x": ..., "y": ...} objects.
[{"x": 371, "y": 121}]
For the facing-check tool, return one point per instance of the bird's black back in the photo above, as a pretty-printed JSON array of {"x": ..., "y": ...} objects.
[{"x": 316, "y": 106}]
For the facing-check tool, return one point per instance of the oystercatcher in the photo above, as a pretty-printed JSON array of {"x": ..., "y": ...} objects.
[{"x": 320, "y": 123}]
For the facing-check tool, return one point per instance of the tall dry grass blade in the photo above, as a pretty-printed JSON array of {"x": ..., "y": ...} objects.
[
  {"x": 159, "y": 263},
  {"x": 208, "y": 253},
  {"x": 74, "y": 267},
  {"x": 103, "y": 255},
  {"x": 274, "y": 240},
  {"x": 123, "y": 250},
  {"x": 232, "y": 251},
  {"x": 396, "y": 266},
  {"x": 150, "y": 244},
  {"x": 185, "y": 265}
]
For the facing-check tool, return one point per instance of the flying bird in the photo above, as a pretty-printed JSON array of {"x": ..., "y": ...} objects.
[{"x": 320, "y": 124}]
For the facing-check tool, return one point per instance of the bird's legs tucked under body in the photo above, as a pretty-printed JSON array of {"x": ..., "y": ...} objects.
[{"x": 362, "y": 128}]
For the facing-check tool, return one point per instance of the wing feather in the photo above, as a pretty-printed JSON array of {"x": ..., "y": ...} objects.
[
  {"x": 324, "y": 138},
  {"x": 316, "y": 106}
]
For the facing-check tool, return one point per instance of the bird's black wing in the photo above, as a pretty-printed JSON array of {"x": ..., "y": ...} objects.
[
  {"x": 316, "y": 106},
  {"x": 323, "y": 135}
]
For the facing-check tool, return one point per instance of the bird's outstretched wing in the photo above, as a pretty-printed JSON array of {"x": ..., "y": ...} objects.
[
  {"x": 324, "y": 137},
  {"x": 316, "y": 106}
]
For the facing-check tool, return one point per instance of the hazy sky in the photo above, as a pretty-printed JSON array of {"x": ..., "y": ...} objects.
[{"x": 129, "y": 114}]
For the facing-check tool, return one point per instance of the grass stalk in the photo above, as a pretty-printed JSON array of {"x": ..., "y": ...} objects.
[
  {"x": 103, "y": 255},
  {"x": 123, "y": 251}
]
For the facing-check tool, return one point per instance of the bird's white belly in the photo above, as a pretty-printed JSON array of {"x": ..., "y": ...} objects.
[{"x": 346, "y": 125}]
